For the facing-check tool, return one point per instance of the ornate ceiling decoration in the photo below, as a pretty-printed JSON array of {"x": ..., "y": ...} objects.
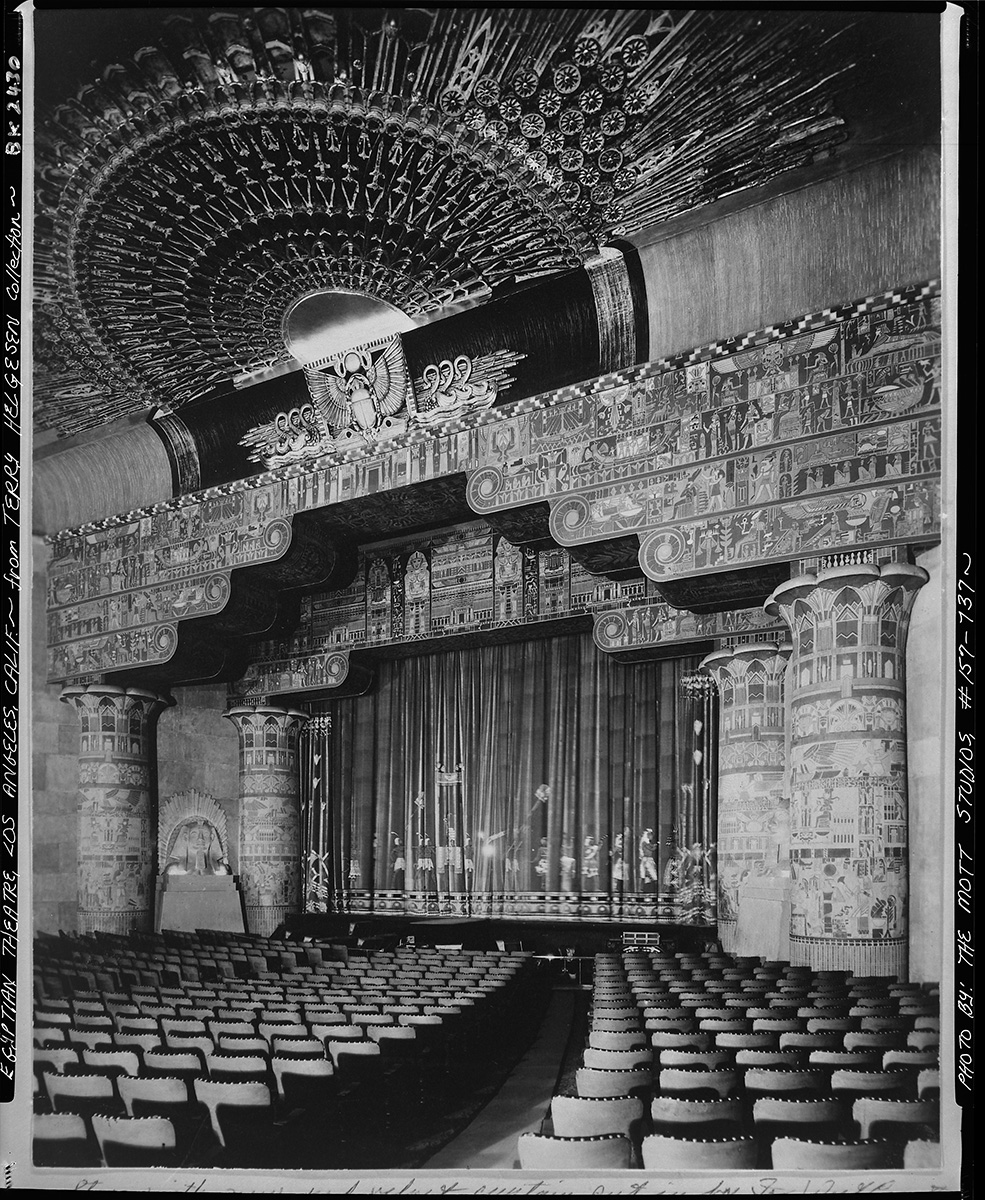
[{"x": 422, "y": 157}]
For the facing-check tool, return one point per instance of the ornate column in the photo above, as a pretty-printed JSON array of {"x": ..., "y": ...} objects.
[
  {"x": 117, "y": 812},
  {"x": 848, "y": 814},
  {"x": 753, "y": 811},
  {"x": 269, "y": 817}
]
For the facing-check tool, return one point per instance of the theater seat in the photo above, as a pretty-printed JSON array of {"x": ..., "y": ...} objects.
[
  {"x": 662, "y": 1153},
  {"x": 237, "y": 1111},
  {"x": 921, "y": 1153},
  {"x": 62, "y": 1139},
  {"x": 822, "y": 1118},
  {"x": 81, "y": 1094},
  {"x": 698, "y": 1081},
  {"x": 539, "y": 1152},
  {"x": 595, "y": 1081},
  {"x": 878, "y": 1117},
  {"x": 618, "y": 1059},
  {"x": 721, "y": 1117},
  {"x": 795, "y": 1154},
  {"x": 588, "y": 1116},
  {"x": 135, "y": 1141}
]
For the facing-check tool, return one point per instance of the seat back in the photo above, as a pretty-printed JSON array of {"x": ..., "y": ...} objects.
[
  {"x": 123, "y": 1062},
  {"x": 711, "y": 1060},
  {"x": 722, "y": 1081},
  {"x": 868, "y": 1082},
  {"x": 236, "y": 1067},
  {"x": 135, "y": 1141},
  {"x": 667, "y": 1039},
  {"x": 673, "y": 1113},
  {"x": 617, "y": 1059},
  {"x": 597, "y": 1081},
  {"x": 250, "y": 1096},
  {"x": 342, "y": 1052},
  {"x": 823, "y": 1117},
  {"x": 610, "y": 1039},
  {"x": 770, "y": 1058},
  {"x": 79, "y": 1093},
  {"x": 141, "y": 1094},
  {"x": 588, "y": 1116},
  {"x": 61, "y": 1139},
  {"x": 55, "y": 1058},
  {"x": 909, "y": 1058},
  {"x": 876, "y": 1116},
  {"x": 661, "y": 1153},
  {"x": 539, "y": 1152},
  {"x": 186, "y": 1064},
  {"x": 302, "y": 1076},
  {"x": 785, "y": 1079},
  {"x": 796, "y": 1154},
  {"x": 921, "y": 1152}
]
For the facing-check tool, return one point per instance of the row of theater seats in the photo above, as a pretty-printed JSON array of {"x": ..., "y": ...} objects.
[
  {"x": 705, "y": 1061},
  {"x": 233, "y": 1067},
  {"x": 109, "y": 962}
]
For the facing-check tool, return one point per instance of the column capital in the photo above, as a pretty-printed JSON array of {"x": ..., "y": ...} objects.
[
  {"x": 89, "y": 697},
  {"x": 736, "y": 659},
  {"x": 861, "y": 576},
  {"x": 242, "y": 713}
]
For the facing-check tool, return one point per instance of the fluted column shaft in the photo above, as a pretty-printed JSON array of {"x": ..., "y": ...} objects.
[
  {"x": 848, "y": 802},
  {"x": 269, "y": 816},
  {"x": 753, "y": 810},
  {"x": 117, "y": 809}
]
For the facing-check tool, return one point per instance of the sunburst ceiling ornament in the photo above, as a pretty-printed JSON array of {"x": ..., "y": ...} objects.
[{"x": 417, "y": 157}]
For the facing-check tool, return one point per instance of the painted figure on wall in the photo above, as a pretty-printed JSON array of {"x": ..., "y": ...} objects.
[
  {"x": 620, "y": 866},
  {"x": 398, "y": 863},
  {"x": 649, "y": 876},
  {"x": 590, "y": 865}
]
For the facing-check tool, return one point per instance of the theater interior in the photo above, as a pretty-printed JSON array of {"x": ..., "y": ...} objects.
[{"x": 489, "y": 594}]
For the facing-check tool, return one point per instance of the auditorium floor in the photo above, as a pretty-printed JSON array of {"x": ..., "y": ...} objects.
[{"x": 489, "y": 1142}]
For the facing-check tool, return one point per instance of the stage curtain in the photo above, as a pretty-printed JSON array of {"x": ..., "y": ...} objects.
[{"x": 533, "y": 778}]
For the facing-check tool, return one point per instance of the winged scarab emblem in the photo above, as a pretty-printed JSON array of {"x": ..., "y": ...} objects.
[
  {"x": 355, "y": 398},
  {"x": 361, "y": 388}
]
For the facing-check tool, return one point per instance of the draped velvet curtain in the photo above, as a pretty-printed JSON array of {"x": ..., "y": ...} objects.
[{"x": 536, "y": 778}]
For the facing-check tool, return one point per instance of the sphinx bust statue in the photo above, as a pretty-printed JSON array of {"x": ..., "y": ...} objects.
[{"x": 196, "y": 850}]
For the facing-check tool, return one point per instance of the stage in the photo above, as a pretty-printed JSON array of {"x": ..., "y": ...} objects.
[{"x": 543, "y": 935}]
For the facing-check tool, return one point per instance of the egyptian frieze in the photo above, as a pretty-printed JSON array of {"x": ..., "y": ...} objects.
[
  {"x": 115, "y": 596},
  {"x": 799, "y": 439},
  {"x": 850, "y": 408},
  {"x": 655, "y": 622},
  {"x": 836, "y": 462},
  {"x": 893, "y": 514}
]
